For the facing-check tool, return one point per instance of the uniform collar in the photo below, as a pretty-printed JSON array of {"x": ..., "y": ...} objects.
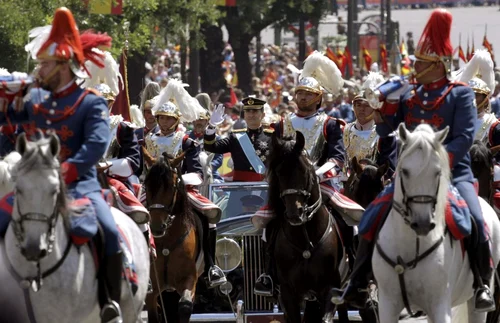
[
  {"x": 307, "y": 117},
  {"x": 258, "y": 130},
  {"x": 366, "y": 126},
  {"x": 66, "y": 90},
  {"x": 436, "y": 85}
]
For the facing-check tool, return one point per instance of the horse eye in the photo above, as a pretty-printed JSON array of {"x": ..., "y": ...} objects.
[{"x": 405, "y": 172}]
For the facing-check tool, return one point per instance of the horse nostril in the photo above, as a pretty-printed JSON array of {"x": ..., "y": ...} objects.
[
  {"x": 43, "y": 253},
  {"x": 414, "y": 225},
  {"x": 433, "y": 225},
  {"x": 164, "y": 226}
]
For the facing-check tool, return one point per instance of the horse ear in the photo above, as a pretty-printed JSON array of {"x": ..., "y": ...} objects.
[
  {"x": 300, "y": 142},
  {"x": 54, "y": 145},
  {"x": 383, "y": 169},
  {"x": 441, "y": 135},
  {"x": 403, "y": 133},
  {"x": 21, "y": 143},
  {"x": 356, "y": 166}
]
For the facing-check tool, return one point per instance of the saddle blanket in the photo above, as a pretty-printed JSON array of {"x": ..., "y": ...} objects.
[
  {"x": 457, "y": 214},
  {"x": 83, "y": 228},
  {"x": 204, "y": 205},
  {"x": 350, "y": 211}
]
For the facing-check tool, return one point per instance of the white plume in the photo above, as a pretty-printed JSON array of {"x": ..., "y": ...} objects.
[
  {"x": 136, "y": 116},
  {"x": 480, "y": 66},
  {"x": 324, "y": 70},
  {"x": 373, "y": 79},
  {"x": 40, "y": 36},
  {"x": 6, "y": 166},
  {"x": 109, "y": 75},
  {"x": 189, "y": 107}
]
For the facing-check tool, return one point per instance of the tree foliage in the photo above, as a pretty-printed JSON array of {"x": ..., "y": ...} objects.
[{"x": 151, "y": 22}]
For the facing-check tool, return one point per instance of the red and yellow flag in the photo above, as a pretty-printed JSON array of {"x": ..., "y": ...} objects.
[
  {"x": 461, "y": 54},
  {"x": 488, "y": 46},
  {"x": 331, "y": 55},
  {"x": 383, "y": 58},
  {"x": 368, "y": 59},
  {"x": 348, "y": 62}
]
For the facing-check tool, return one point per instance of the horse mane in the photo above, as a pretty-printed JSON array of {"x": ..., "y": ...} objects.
[
  {"x": 481, "y": 154},
  {"x": 283, "y": 157},
  {"x": 35, "y": 157},
  {"x": 159, "y": 177}
]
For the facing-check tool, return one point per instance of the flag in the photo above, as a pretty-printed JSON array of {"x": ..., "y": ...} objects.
[
  {"x": 402, "y": 49},
  {"x": 234, "y": 98},
  {"x": 332, "y": 56},
  {"x": 472, "y": 50},
  {"x": 488, "y": 46},
  {"x": 461, "y": 54},
  {"x": 348, "y": 62},
  {"x": 226, "y": 3},
  {"x": 122, "y": 102},
  {"x": 383, "y": 58},
  {"x": 368, "y": 59},
  {"x": 106, "y": 7}
]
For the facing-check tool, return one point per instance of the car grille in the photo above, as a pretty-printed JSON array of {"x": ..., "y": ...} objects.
[{"x": 253, "y": 266}]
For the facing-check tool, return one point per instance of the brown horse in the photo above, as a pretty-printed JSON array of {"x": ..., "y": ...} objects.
[
  {"x": 365, "y": 182},
  {"x": 307, "y": 250},
  {"x": 175, "y": 229}
]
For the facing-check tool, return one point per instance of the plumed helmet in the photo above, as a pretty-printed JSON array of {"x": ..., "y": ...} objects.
[
  {"x": 373, "y": 80},
  {"x": 169, "y": 109},
  {"x": 175, "y": 101},
  {"x": 479, "y": 73},
  {"x": 324, "y": 71},
  {"x": 309, "y": 84},
  {"x": 106, "y": 92}
]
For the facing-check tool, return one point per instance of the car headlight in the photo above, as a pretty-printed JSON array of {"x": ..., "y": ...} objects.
[{"x": 227, "y": 254}]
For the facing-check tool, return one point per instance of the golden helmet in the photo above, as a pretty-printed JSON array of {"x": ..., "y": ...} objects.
[
  {"x": 479, "y": 86},
  {"x": 309, "y": 84},
  {"x": 169, "y": 109}
]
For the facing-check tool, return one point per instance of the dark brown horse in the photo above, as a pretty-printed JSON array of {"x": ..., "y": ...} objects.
[
  {"x": 308, "y": 251},
  {"x": 175, "y": 229},
  {"x": 365, "y": 182}
]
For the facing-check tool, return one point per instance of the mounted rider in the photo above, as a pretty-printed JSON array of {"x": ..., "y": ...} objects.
[
  {"x": 360, "y": 137},
  {"x": 173, "y": 105},
  {"x": 249, "y": 147},
  {"x": 323, "y": 145},
  {"x": 439, "y": 102},
  {"x": 80, "y": 119},
  {"x": 122, "y": 157}
]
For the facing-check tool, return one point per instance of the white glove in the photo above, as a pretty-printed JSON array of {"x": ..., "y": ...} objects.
[
  {"x": 217, "y": 116},
  {"x": 394, "y": 96}
]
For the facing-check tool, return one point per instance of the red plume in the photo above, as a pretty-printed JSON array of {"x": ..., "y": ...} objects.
[
  {"x": 91, "y": 40},
  {"x": 436, "y": 35}
]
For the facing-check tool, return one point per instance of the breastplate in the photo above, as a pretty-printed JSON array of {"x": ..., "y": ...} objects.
[
  {"x": 157, "y": 145},
  {"x": 483, "y": 126},
  {"x": 360, "y": 144},
  {"x": 312, "y": 129}
]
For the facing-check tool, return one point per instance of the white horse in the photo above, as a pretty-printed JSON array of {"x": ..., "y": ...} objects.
[
  {"x": 442, "y": 279},
  {"x": 39, "y": 226}
]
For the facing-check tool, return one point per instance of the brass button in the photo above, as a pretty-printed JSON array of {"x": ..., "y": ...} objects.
[
  {"x": 251, "y": 168},
  {"x": 54, "y": 104}
]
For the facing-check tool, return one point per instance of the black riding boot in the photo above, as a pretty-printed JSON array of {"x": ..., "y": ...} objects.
[
  {"x": 111, "y": 312},
  {"x": 215, "y": 275},
  {"x": 264, "y": 285},
  {"x": 146, "y": 236},
  {"x": 359, "y": 278},
  {"x": 483, "y": 297}
]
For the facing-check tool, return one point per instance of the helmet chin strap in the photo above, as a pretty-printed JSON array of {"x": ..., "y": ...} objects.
[
  {"x": 175, "y": 125},
  {"x": 484, "y": 104},
  {"x": 45, "y": 80},
  {"x": 427, "y": 70},
  {"x": 313, "y": 100}
]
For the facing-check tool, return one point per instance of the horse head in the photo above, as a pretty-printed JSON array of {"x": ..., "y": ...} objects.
[
  {"x": 294, "y": 188},
  {"x": 164, "y": 188},
  {"x": 482, "y": 167},
  {"x": 39, "y": 195},
  {"x": 366, "y": 181},
  {"x": 422, "y": 178}
]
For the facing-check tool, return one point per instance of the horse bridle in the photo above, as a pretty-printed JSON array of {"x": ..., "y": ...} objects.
[
  {"x": 168, "y": 209},
  {"x": 308, "y": 210},
  {"x": 405, "y": 210}
]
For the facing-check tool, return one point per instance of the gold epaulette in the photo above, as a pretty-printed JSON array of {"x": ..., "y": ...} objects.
[
  {"x": 93, "y": 91},
  {"x": 240, "y": 130},
  {"x": 271, "y": 130}
]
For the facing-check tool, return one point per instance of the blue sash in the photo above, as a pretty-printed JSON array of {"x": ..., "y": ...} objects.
[{"x": 250, "y": 153}]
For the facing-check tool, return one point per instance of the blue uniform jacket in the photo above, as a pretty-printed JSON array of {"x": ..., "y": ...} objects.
[
  {"x": 129, "y": 146},
  {"x": 387, "y": 152},
  {"x": 216, "y": 161},
  {"x": 83, "y": 130},
  {"x": 456, "y": 110}
]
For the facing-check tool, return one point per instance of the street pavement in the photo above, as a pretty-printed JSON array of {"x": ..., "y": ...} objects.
[{"x": 467, "y": 21}]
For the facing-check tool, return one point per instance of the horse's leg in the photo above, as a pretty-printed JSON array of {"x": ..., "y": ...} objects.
[
  {"x": 313, "y": 312},
  {"x": 152, "y": 307},
  {"x": 389, "y": 308},
  {"x": 440, "y": 313},
  {"x": 290, "y": 303},
  {"x": 186, "y": 305}
]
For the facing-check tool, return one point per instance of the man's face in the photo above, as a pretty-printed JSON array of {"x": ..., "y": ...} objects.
[
  {"x": 363, "y": 111},
  {"x": 253, "y": 118},
  {"x": 303, "y": 98},
  {"x": 166, "y": 123},
  {"x": 430, "y": 76},
  {"x": 48, "y": 78},
  {"x": 200, "y": 125},
  {"x": 480, "y": 98},
  {"x": 148, "y": 114}
]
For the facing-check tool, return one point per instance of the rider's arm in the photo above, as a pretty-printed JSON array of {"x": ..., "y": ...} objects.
[
  {"x": 129, "y": 146},
  {"x": 389, "y": 118},
  {"x": 336, "y": 150},
  {"x": 96, "y": 136},
  {"x": 192, "y": 158},
  {"x": 462, "y": 127},
  {"x": 387, "y": 152},
  {"x": 217, "y": 161}
]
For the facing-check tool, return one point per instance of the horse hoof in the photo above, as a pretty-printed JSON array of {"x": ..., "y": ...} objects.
[{"x": 185, "y": 308}]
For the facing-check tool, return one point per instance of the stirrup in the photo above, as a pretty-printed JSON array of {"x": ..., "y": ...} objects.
[
  {"x": 214, "y": 283},
  {"x": 264, "y": 292},
  {"x": 488, "y": 307},
  {"x": 113, "y": 308}
]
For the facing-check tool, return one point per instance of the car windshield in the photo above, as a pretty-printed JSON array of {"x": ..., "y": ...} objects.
[{"x": 237, "y": 199}]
